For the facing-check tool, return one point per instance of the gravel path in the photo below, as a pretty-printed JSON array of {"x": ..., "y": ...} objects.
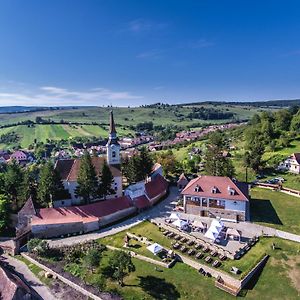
[{"x": 29, "y": 278}]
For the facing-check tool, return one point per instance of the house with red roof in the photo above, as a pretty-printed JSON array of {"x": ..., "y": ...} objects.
[
  {"x": 146, "y": 194},
  {"x": 216, "y": 196},
  {"x": 21, "y": 157},
  {"x": 291, "y": 164}
]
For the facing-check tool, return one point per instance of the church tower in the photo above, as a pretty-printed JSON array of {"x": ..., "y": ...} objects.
[{"x": 112, "y": 146}]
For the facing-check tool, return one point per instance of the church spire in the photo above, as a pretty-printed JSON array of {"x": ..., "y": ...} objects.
[
  {"x": 112, "y": 146},
  {"x": 112, "y": 127}
]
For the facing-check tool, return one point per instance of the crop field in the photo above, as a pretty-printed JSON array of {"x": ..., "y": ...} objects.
[{"x": 43, "y": 132}]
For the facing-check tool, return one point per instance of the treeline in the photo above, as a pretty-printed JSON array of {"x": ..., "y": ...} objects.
[
  {"x": 209, "y": 114},
  {"x": 270, "y": 130},
  {"x": 9, "y": 138},
  {"x": 269, "y": 103}
]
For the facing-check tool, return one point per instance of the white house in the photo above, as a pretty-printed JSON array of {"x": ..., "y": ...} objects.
[
  {"x": 216, "y": 196},
  {"x": 291, "y": 164}
]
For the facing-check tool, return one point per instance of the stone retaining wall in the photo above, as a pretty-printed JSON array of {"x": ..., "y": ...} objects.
[{"x": 248, "y": 277}]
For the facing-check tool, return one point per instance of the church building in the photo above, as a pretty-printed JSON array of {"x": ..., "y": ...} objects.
[{"x": 69, "y": 168}]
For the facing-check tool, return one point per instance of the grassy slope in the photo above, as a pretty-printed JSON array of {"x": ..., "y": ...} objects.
[{"x": 275, "y": 209}]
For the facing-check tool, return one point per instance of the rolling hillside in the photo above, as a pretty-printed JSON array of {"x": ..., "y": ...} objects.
[{"x": 126, "y": 119}]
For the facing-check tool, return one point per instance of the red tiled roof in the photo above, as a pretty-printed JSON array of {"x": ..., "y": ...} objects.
[
  {"x": 63, "y": 167},
  {"x": 141, "y": 202},
  {"x": 85, "y": 213},
  {"x": 156, "y": 186},
  {"x": 296, "y": 156},
  {"x": 69, "y": 168},
  {"x": 205, "y": 185}
]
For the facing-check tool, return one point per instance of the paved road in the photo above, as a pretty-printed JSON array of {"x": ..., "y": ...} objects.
[
  {"x": 160, "y": 210},
  {"x": 29, "y": 277}
]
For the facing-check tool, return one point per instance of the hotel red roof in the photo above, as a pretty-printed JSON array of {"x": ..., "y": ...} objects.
[
  {"x": 204, "y": 186},
  {"x": 85, "y": 213},
  {"x": 141, "y": 202},
  {"x": 156, "y": 186}
]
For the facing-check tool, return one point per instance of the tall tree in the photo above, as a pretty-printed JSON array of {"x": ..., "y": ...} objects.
[
  {"x": 216, "y": 163},
  {"x": 253, "y": 157},
  {"x": 121, "y": 265},
  {"x": 27, "y": 187},
  {"x": 3, "y": 211},
  {"x": 105, "y": 182},
  {"x": 50, "y": 185},
  {"x": 138, "y": 167},
  {"x": 87, "y": 180},
  {"x": 146, "y": 162},
  {"x": 13, "y": 179}
]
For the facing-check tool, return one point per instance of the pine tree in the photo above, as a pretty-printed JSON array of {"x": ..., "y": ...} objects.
[
  {"x": 146, "y": 163},
  {"x": 50, "y": 186},
  {"x": 215, "y": 162},
  {"x": 27, "y": 187},
  {"x": 106, "y": 181},
  {"x": 87, "y": 180},
  {"x": 13, "y": 179}
]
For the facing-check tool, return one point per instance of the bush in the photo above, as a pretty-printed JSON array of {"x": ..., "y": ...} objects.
[{"x": 40, "y": 247}]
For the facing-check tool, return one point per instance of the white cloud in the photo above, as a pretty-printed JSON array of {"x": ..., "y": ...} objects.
[
  {"x": 56, "y": 96},
  {"x": 142, "y": 25}
]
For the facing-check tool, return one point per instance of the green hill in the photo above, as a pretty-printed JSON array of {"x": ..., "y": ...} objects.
[{"x": 126, "y": 118}]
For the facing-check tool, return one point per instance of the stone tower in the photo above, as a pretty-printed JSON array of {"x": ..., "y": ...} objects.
[{"x": 112, "y": 146}]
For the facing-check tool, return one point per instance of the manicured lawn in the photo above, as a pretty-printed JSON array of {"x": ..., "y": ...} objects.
[
  {"x": 275, "y": 209},
  {"x": 278, "y": 280}
]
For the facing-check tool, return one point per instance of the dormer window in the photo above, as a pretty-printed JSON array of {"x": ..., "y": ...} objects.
[
  {"x": 214, "y": 190},
  {"x": 231, "y": 191},
  {"x": 197, "y": 188}
]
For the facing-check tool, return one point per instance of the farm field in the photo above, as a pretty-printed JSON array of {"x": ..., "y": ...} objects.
[
  {"x": 44, "y": 132},
  {"x": 275, "y": 209}
]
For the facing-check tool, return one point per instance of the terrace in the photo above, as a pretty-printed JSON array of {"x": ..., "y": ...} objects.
[{"x": 187, "y": 247}]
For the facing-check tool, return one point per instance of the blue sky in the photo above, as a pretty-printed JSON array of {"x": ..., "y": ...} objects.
[{"x": 126, "y": 52}]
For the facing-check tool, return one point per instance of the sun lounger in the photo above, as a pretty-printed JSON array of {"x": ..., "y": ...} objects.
[
  {"x": 191, "y": 252},
  {"x": 183, "y": 249},
  {"x": 208, "y": 259},
  {"x": 199, "y": 255},
  {"x": 190, "y": 243}
]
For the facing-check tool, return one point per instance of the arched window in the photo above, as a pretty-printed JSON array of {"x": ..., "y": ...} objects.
[{"x": 113, "y": 154}]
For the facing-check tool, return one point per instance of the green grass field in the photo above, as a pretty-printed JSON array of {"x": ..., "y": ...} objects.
[
  {"x": 42, "y": 133},
  {"x": 275, "y": 209},
  {"x": 275, "y": 282}
]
